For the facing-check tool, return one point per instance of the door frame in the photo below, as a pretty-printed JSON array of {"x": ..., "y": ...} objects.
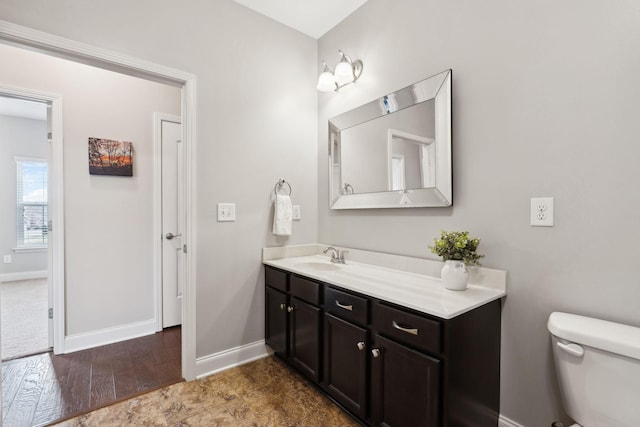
[
  {"x": 55, "y": 207},
  {"x": 158, "y": 118},
  {"x": 50, "y": 44}
]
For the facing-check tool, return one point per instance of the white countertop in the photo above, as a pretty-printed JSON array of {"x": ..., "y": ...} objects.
[{"x": 420, "y": 292}]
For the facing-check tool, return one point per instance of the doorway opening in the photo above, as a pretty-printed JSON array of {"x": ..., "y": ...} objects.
[
  {"x": 25, "y": 284},
  {"x": 80, "y": 52}
]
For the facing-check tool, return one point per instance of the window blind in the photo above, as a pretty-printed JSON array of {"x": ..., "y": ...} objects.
[{"x": 32, "y": 212}]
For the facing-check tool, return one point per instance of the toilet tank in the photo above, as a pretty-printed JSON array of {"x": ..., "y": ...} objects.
[{"x": 598, "y": 368}]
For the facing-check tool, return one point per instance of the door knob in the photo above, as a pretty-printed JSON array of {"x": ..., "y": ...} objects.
[
  {"x": 290, "y": 308},
  {"x": 360, "y": 345},
  {"x": 375, "y": 352},
  {"x": 283, "y": 306},
  {"x": 170, "y": 236}
]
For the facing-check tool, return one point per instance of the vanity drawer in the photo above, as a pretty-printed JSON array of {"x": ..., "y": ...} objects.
[
  {"x": 407, "y": 328},
  {"x": 305, "y": 289},
  {"x": 275, "y": 278},
  {"x": 347, "y": 306}
]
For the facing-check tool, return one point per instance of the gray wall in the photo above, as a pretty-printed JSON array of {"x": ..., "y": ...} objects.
[
  {"x": 545, "y": 104},
  {"x": 19, "y": 137},
  {"x": 108, "y": 220},
  {"x": 256, "y": 123}
]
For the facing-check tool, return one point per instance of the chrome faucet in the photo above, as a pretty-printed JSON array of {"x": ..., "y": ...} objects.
[{"x": 337, "y": 256}]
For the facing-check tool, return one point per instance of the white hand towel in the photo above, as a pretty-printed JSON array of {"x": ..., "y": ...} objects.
[{"x": 282, "y": 213}]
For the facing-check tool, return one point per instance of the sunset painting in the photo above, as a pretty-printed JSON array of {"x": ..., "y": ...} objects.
[{"x": 109, "y": 157}]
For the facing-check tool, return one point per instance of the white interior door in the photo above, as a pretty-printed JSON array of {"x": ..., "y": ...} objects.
[{"x": 172, "y": 206}]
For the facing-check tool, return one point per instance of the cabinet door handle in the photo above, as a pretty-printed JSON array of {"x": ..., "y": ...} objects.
[
  {"x": 290, "y": 308},
  {"x": 412, "y": 331},
  {"x": 283, "y": 306},
  {"x": 360, "y": 345},
  {"x": 346, "y": 307},
  {"x": 375, "y": 352}
]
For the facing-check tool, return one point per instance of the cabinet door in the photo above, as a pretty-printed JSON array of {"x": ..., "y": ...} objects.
[
  {"x": 304, "y": 336},
  {"x": 345, "y": 363},
  {"x": 405, "y": 386},
  {"x": 275, "y": 322}
]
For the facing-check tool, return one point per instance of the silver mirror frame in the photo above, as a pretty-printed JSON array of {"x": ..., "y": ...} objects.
[{"x": 438, "y": 88}]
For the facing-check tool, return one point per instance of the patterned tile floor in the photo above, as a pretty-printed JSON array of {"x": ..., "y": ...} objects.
[{"x": 261, "y": 393}]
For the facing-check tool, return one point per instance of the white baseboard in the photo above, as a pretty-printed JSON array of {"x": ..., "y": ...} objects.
[
  {"x": 506, "y": 422},
  {"x": 213, "y": 363},
  {"x": 108, "y": 336},
  {"x": 23, "y": 275}
]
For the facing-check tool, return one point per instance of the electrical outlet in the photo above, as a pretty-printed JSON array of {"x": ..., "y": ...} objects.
[
  {"x": 226, "y": 212},
  {"x": 296, "y": 212},
  {"x": 542, "y": 211},
  {"x": 7, "y": 259}
]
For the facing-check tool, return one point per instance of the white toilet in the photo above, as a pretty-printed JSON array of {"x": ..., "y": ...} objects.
[{"x": 598, "y": 367}]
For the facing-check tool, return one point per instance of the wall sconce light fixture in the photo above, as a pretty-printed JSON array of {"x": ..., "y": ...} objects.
[{"x": 346, "y": 72}]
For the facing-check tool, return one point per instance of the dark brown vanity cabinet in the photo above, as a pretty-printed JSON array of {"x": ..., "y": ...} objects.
[
  {"x": 386, "y": 364},
  {"x": 293, "y": 320},
  {"x": 346, "y": 345},
  {"x": 405, "y": 386},
  {"x": 304, "y": 336},
  {"x": 405, "y": 378},
  {"x": 275, "y": 332}
]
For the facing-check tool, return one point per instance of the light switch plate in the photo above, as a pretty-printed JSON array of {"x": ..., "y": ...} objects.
[
  {"x": 226, "y": 212},
  {"x": 7, "y": 259},
  {"x": 542, "y": 211},
  {"x": 296, "y": 212}
]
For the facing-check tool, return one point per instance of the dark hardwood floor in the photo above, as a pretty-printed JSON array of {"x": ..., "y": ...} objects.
[{"x": 40, "y": 389}]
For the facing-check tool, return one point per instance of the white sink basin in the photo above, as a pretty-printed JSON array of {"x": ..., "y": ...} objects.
[{"x": 318, "y": 267}]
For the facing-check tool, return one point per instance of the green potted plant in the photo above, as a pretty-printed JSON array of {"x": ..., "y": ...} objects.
[{"x": 458, "y": 251}]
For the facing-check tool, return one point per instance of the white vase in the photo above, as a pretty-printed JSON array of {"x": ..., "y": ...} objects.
[{"x": 454, "y": 275}]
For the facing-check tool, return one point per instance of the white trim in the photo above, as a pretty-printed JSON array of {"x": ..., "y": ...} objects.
[
  {"x": 214, "y": 363},
  {"x": 23, "y": 275},
  {"x": 109, "y": 335},
  {"x": 506, "y": 422},
  {"x": 81, "y": 52},
  {"x": 55, "y": 204},
  {"x": 189, "y": 232},
  {"x": 158, "y": 118},
  {"x": 29, "y": 249}
]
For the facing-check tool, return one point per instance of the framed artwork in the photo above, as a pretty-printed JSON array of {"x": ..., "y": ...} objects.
[{"x": 110, "y": 157}]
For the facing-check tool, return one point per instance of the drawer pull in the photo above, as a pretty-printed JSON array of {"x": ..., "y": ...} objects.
[
  {"x": 399, "y": 327},
  {"x": 346, "y": 307}
]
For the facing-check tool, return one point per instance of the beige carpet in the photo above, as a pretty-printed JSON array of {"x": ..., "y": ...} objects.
[{"x": 24, "y": 306}]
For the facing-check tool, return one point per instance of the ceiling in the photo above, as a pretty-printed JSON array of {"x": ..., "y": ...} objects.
[
  {"x": 311, "y": 17},
  {"x": 22, "y": 108}
]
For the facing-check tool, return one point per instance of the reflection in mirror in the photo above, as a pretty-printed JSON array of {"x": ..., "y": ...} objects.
[{"x": 394, "y": 151}]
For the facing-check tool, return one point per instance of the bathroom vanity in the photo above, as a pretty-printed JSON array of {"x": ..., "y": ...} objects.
[{"x": 390, "y": 346}]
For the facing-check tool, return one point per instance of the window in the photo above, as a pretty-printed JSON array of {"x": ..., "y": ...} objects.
[{"x": 31, "y": 226}]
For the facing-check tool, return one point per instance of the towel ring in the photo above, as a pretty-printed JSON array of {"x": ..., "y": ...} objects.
[{"x": 279, "y": 186}]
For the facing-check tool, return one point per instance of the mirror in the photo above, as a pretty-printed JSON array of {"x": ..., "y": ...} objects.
[{"x": 394, "y": 152}]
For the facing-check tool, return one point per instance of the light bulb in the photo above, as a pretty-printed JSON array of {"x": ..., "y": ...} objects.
[
  {"x": 326, "y": 82},
  {"x": 344, "y": 72}
]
